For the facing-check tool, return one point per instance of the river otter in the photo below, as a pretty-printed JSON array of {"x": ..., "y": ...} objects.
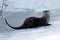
[{"x": 33, "y": 22}]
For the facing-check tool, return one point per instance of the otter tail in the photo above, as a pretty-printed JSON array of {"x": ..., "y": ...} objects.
[{"x": 16, "y": 28}]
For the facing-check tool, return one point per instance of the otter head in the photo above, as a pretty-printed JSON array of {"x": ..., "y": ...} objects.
[{"x": 46, "y": 15}]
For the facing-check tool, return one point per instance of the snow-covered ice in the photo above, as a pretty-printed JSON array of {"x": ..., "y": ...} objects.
[
  {"x": 41, "y": 33},
  {"x": 18, "y": 11}
]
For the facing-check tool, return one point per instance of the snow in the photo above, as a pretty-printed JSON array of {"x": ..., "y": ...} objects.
[
  {"x": 41, "y": 33},
  {"x": 18, "y": 11},
  {"x": 50, "y": 37},
  {"x": 38, "y": 5}
]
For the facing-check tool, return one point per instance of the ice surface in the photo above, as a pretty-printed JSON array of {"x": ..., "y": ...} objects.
[
  {"x": 18, "y": 11},
  {"x": 17, "y": 18}
]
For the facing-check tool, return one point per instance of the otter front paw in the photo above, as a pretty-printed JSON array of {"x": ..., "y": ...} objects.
[{"x": 48, "y": 24}]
